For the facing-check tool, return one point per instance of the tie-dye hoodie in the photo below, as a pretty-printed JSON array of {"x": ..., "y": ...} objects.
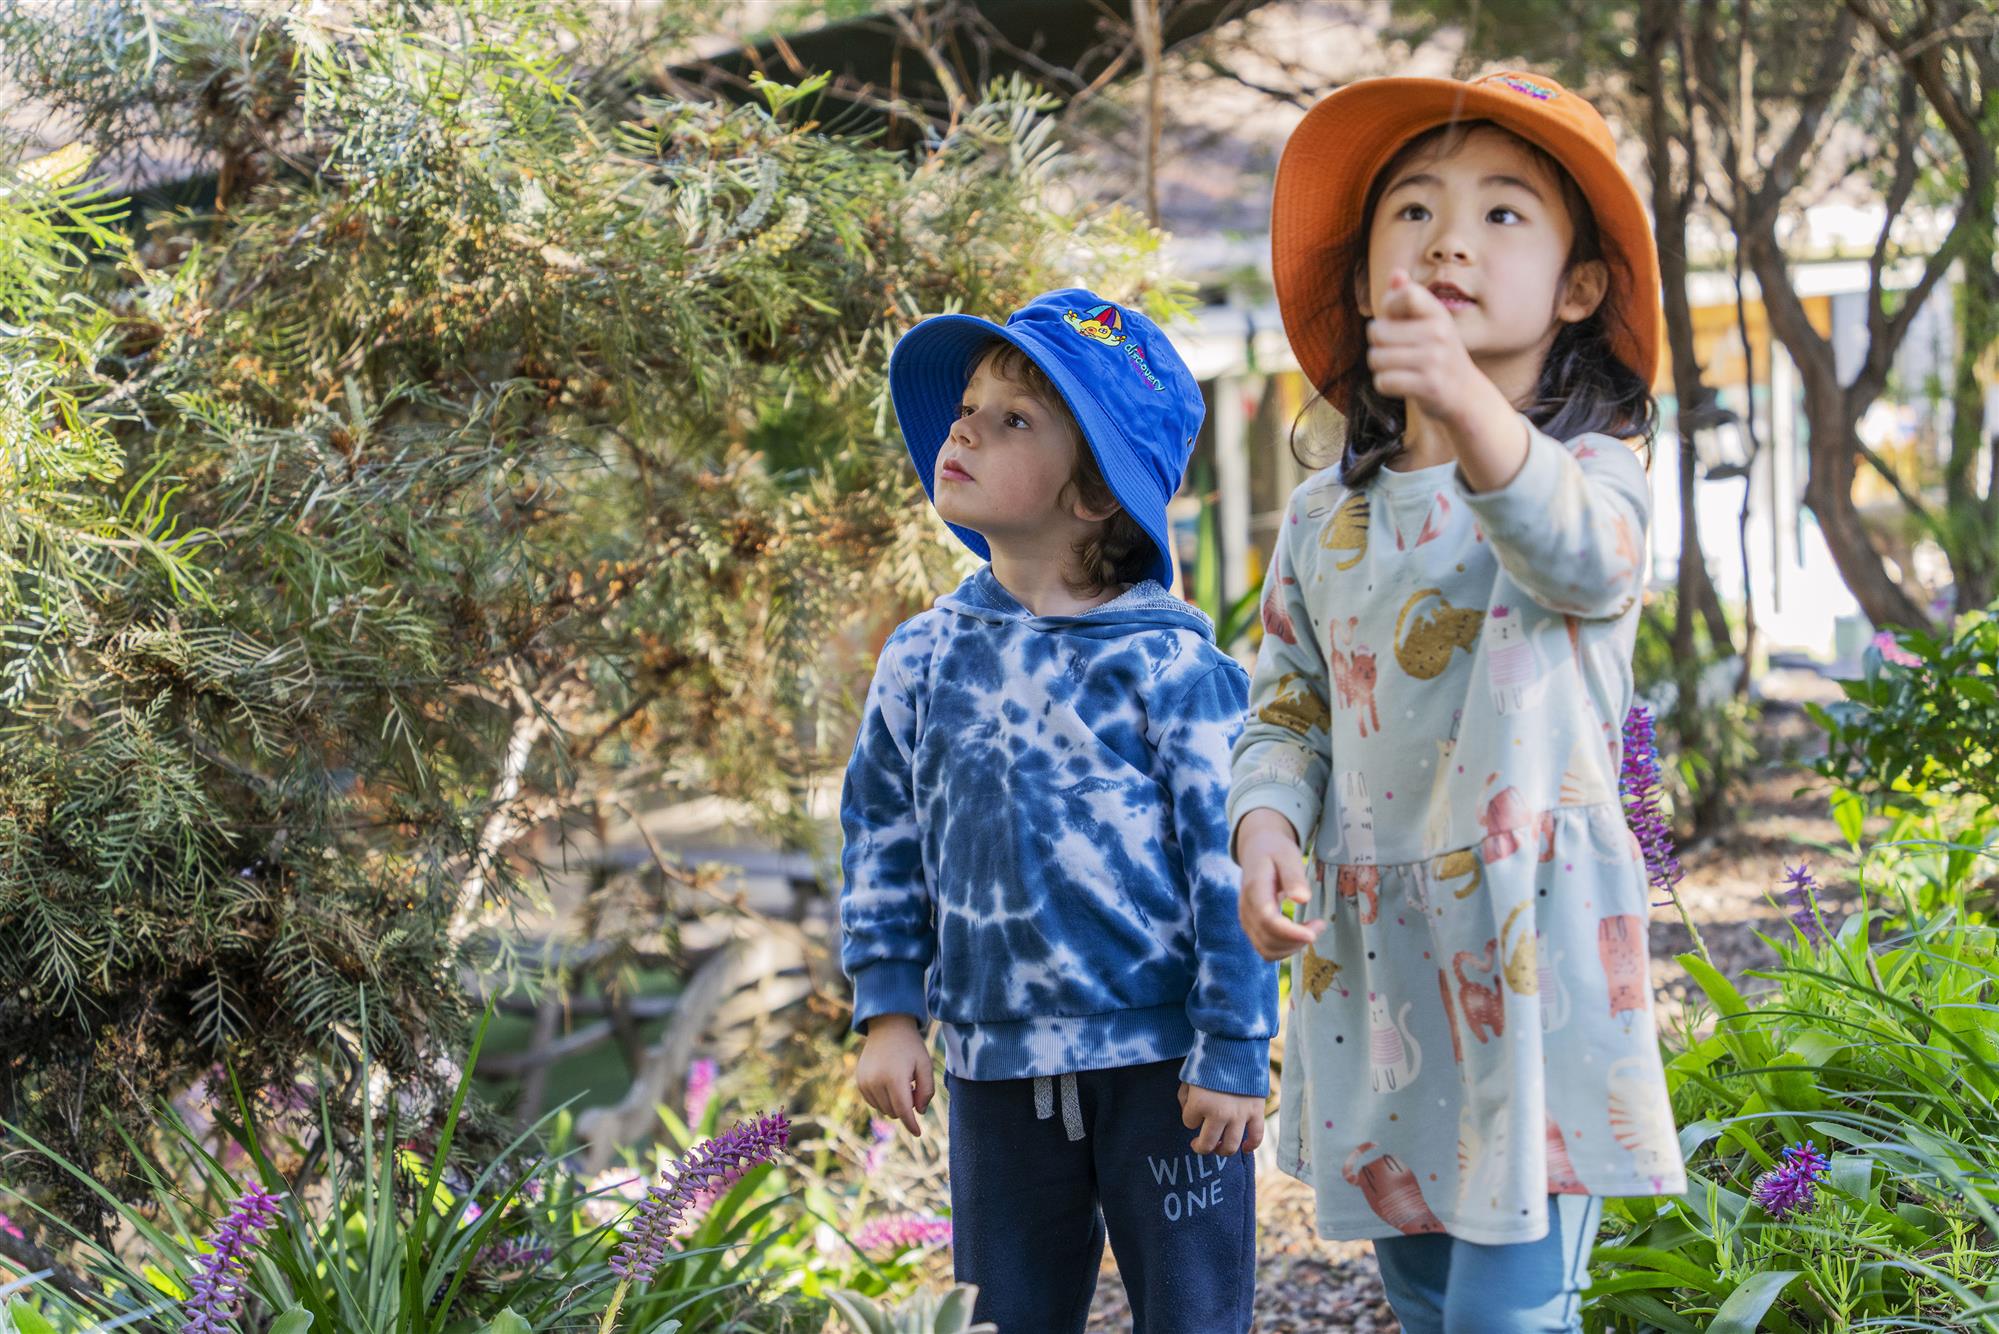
[{"x": 1034, "y": 818}]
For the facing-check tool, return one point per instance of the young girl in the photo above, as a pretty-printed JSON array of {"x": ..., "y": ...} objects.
[{"x": 1465, "y": 274}]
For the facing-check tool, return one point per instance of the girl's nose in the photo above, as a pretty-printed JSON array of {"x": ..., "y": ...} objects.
[{"x": 1447, "y": 247}]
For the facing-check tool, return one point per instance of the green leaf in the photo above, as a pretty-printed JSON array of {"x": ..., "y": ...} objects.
[
  {"x": 1743, "y": 1312},
  {"x": 298, "y": 1320},
  {"x": 27, "y": 1320},
  {"x": 859, "y": 1312},
  {"x": 954, "y": 1313},
  {"x": 1849, "y": 815},
  {"x": 506, "y": 1322}
]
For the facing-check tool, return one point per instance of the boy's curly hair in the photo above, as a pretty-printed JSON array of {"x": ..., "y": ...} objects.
[{"x": 1119, "y": 553}]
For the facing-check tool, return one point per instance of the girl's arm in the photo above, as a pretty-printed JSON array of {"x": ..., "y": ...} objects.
[
  {"x": 1282, "y": 758},
  {"x": 1570, "y": 527},
  {"x": 886, "y": 935},
  {"x": 1233, "y": 1005}
]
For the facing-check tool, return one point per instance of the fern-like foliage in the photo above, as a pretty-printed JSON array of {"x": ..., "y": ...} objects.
[{"x": 489, "y": 437}]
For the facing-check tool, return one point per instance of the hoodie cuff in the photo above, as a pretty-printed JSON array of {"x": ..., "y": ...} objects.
[
  {"x": 1228, "y": 1065},
  {"x": 893, "y": 986},
  {"x": 1274, "y": 795}
]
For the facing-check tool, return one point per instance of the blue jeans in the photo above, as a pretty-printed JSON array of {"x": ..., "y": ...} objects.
[
  {"x": 1441, "y": 1285},
  {"x": 1041, "y": 1169}
]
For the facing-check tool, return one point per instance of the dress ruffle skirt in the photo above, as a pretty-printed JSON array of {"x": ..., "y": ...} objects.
[{"x": 1452, "y": 974}]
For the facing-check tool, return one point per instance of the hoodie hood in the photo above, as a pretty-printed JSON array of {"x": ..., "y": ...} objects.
[{"x": 1143, "y": 608}]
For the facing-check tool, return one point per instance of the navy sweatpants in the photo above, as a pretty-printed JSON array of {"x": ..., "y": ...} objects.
[{"x": 1041, "y": 1169}]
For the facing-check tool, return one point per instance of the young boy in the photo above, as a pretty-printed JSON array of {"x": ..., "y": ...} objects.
[{"x": 1035, "y": 845}]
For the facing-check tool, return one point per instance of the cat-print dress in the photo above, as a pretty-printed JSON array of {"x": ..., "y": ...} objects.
[{"x": 1437, "y": 708}]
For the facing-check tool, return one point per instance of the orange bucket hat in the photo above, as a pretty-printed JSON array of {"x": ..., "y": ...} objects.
[{"x": 1344, "y": 142}]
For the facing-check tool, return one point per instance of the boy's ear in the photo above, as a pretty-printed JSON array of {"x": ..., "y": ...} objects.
[
  {"x": 1583, "y": 291},
  {"x": 1088, "y": 515}
]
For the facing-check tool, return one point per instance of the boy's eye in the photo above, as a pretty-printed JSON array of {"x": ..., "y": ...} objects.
[
  {"x": 1015, "y": 420},
  {"x": 966, "y": 409}
]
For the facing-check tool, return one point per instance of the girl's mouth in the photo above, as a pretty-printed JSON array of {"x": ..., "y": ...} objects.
[{"x": 1453, "y": 297}]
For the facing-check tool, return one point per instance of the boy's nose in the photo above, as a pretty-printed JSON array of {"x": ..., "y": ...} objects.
[{"x": 961, "y": 432}]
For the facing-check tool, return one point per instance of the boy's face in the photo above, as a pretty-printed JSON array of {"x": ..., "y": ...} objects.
[
  {"x": 1005, "y": 467},
  {"x": 1481, "y": 223}
]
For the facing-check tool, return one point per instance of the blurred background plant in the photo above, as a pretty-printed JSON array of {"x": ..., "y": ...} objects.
[{"x": 484, "y": 440}]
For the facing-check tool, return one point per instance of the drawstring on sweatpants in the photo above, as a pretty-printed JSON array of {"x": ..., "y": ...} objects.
[{"x": 1072, "y": 1108}]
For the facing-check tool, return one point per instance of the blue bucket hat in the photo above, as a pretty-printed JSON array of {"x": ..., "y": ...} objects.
[{"x": 1138, "y": 405}]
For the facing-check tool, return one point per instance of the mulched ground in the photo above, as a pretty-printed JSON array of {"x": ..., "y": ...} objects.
[{"x": 1305, "y": 1284}]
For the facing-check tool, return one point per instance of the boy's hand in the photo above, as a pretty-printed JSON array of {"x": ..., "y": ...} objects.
[
  {"x": 1417, "y": 355},
  {"x": 1273, "y": 870},
  {"x": 1228, "y": 1122},
  {"x": 895, "y": 1075}
]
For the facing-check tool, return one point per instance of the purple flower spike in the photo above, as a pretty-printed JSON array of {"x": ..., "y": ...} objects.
[
  {"x": 1791, "y": 1187},
  {"x": 1802, "y": 891},
  {"x": 708, "y": 1168},
  {"x": 215, "y": 1296},
  {"x": 1639, "y": 785}
]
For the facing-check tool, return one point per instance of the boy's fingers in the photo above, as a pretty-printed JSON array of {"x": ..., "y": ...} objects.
[
  {"x": 904, "y": 1111},
  {"x": 1231, "y": 1138},
  {"x": 1252, "y": 1135},
  {"x": 926, "y": 1085},
  {"x": 1190, "y": 1117}
]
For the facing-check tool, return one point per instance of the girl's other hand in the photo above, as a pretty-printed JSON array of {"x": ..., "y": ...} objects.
[
  {"x": 1273, "y": 870},
  {"x": 1416, "y": 353},
  {"x": 895, "y": 1075}
]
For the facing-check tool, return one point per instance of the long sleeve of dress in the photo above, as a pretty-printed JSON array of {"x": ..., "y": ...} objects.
[
  {"x": 1233, "y": 1004},
  {"x": 886, "y": 933},
  {"x": 1570, "y": 527},
  {"x": 1283, "y": 756}
]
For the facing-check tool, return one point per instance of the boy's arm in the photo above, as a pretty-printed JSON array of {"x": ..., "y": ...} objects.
[
  {"x": 1233, "y": 1004},
  {"x": 1569, "y": 528},
  {"x": 886, "y": 933},
  {"x": 1281, "y": 760}
]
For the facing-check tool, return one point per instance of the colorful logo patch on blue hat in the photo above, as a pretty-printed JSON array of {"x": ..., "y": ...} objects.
[
  {"x": 1527, "y": 86},
  {"x": 1106, "y": 325}
]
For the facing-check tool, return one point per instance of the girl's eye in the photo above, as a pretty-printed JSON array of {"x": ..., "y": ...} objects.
[
  {"x": 1503, "y": 215},
  {"x": 1413, "y": 213}
]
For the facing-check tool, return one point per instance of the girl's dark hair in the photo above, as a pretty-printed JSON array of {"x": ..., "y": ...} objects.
[
  {"x": 1118, "y": 552},
  {"x": 1583, "y": 387}
]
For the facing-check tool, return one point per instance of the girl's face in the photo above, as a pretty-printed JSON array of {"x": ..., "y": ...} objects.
[
  {"x": 1005, "y": 468},
  {"x": 1481, "y": 222}
]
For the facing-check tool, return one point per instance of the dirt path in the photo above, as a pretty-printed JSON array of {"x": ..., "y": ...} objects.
[{"x": 1305, "y": 1284}]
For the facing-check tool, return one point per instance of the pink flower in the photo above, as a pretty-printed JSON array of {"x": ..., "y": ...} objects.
[
  {"x": 906, "y": 1232},
  {"x": 1891, "y": 650},
  {"x": 700, "y": 1090}
]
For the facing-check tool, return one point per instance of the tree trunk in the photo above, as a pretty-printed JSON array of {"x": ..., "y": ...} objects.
[
  {"x": 1833, "y": 449},
  {"x": 1672, "y": 200}
]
